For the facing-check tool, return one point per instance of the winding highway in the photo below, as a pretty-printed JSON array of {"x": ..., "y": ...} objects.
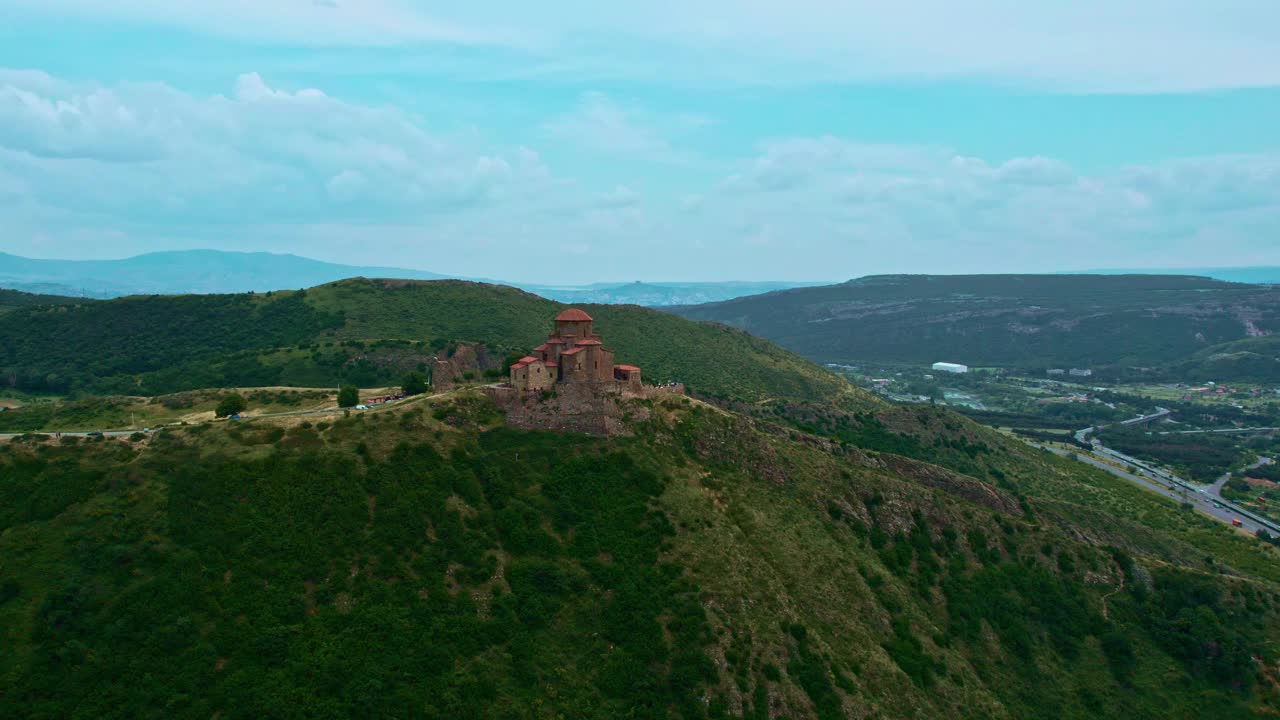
[{"x": 1167, "y": 484}]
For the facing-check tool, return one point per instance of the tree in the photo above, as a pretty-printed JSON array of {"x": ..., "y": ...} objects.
[
  {"x": 232, "y": 404},
  {"x": 348, "y": 396},
  {"x": 415, "y": 383}
]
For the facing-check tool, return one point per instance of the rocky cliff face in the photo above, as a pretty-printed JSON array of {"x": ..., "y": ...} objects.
[{"x": 463, "y": 359}]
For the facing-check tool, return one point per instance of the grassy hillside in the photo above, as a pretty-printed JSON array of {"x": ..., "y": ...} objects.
[
  {"x": 1005, "y": 320},
  {"x": 426, "y": 562},
  {"x": 367, "y": 332}
]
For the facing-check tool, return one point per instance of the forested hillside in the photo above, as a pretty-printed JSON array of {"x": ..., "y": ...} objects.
[
  {"x": 10, "y": 299},
  {"x": 424, "y": 561},
  {"x": 1006, "y": 320},
  {"x": 366, "y": 332}
]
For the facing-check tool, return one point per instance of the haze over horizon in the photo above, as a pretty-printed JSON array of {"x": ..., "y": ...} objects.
[{"x": 570, "y": 143}]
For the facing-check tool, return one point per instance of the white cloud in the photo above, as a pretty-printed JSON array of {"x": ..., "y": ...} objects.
[
  {"x": 601, "y": 124},
  {"x": 620, "y": 197},
  {"x": 926, "y": 209},
  {"x": 260, "y": 154},
  {"x": 91, "y": 170}
]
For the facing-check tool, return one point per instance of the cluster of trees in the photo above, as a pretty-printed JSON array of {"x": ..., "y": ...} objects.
[
  {"x": 79, "y": 348},
  {"x": 1200, "y": 457}
]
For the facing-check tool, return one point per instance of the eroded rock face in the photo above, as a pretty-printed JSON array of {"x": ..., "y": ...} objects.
[
  {"x": 465, "y": 358},
  {"x": 969, "y": 488}
]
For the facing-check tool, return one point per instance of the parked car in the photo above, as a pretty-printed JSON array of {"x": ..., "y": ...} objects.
[{"x": 362, "y": 407}]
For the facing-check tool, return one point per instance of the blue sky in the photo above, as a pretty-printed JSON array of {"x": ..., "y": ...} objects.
[{"x": 709, "y": 140}]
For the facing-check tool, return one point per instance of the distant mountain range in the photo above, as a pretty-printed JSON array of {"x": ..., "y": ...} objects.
[
  {"x": 185, "y": 272},
  {"x": 205, "y": 272}
]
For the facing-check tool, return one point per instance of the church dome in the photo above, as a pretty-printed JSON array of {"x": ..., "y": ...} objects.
[{"x": 573, "y": 315}]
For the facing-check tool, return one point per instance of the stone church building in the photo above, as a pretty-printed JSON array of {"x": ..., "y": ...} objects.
[{"x": 573, "y": 354}]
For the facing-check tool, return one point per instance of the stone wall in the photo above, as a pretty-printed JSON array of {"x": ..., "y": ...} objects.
[{"x": 594, "y": 408}]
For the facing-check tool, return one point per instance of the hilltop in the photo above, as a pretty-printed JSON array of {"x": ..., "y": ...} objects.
[
  {"x": 1023, "y": 321},
  {"x": 426, "y": 561},
  {"x": 366, "y": 332},
  {"x": 10, "y": 299}
]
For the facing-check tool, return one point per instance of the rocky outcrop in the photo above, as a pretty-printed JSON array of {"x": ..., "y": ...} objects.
[
  {"x": 964, "y": 486},
  {"x": 463, "y": 359}
]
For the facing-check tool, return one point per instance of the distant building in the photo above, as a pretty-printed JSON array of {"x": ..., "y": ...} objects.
[
  {"x": 1081, "y": 372},
  {"x": 1056, "y": 371},
  {"x": 950, "y": 367}
]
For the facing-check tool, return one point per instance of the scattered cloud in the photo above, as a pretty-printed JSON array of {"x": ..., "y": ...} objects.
[
  {"x": 90, "y": 169},
  {"x": 939, "y": 211}
]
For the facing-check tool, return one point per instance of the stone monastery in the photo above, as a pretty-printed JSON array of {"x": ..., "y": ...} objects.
[{"x": 573, "y": 355}]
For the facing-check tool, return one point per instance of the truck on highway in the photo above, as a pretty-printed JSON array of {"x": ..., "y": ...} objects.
[{"x": 1235, "y": 521}]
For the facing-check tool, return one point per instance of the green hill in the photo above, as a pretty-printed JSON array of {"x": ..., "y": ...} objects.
[
  {"x": 368, "y": 332},
  {"x": 1254, "y": 359},
  {"x": 1030, "y": 321},
  {"x": 424, "y": 561}
]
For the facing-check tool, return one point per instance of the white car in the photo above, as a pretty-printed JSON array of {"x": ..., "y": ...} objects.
[{"x": 362, "y": 407}]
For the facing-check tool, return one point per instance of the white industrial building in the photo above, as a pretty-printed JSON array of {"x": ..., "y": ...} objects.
[{"x": 950, "y": 367}]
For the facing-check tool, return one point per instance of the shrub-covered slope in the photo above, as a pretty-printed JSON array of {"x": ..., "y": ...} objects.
[
  {"x": 426, "y": 562},
  {"x": 1005, "y": 320},
  {"x": 367, "y": 332}
]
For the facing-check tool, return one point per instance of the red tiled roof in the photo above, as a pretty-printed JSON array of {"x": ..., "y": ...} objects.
[
  {"x": 550, "y": 365},
  {"x": 541, "y": 347},
  {"x": 628, "y": 368},
  {"x": 528, "y": 359},
  {"x": 573, "y": 315},
  {"x": 572, "y": 351},
  {"x": 518, "y": 366},
  {"x": 553, "y": 340},
  {"x": 588, "y": 342}
]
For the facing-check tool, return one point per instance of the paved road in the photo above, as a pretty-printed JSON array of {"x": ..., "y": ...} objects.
[
  {"x": 1216, "y": 488},
  {"x": 1170, "y": 485},
  {"x": 1221, "y": 430},
  {"x": 1200, "y": 501}
]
